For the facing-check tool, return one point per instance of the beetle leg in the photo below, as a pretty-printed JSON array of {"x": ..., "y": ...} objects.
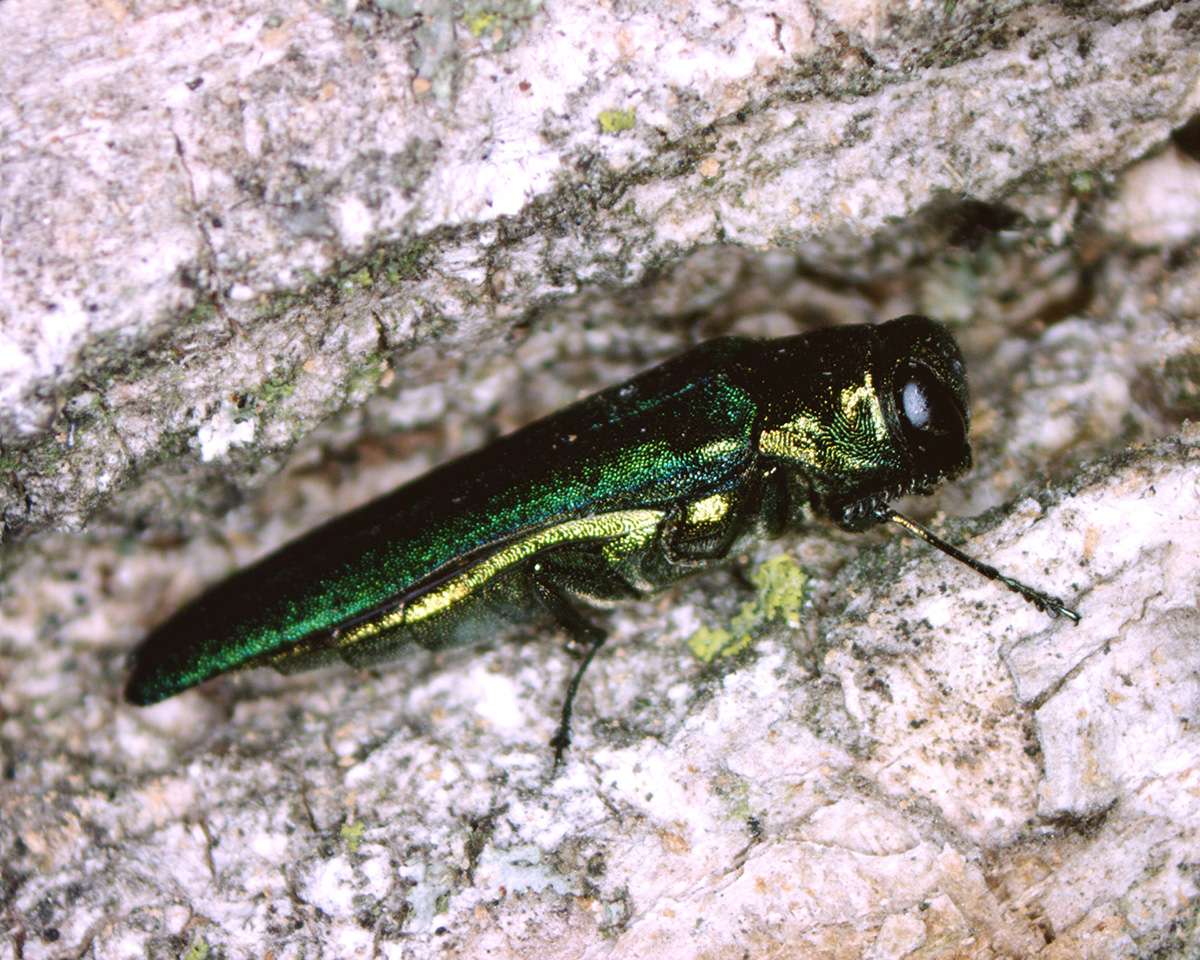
[
  {"x": 562, "y": 736},
  {"x": 701, "y": 531},
  {"x": 555, "y": 601},
  {"x": 555, "y": 581},
  {"x": 778, "y": 500},
  {"x": 551, "y": 596}
]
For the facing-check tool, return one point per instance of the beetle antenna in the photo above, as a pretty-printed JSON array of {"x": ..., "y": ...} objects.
[{"x": 1043, "y": 601}]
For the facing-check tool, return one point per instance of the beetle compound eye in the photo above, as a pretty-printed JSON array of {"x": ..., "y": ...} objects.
[
  {"x": 915, "y": 404},
  {"x": 929, "y": 413}
]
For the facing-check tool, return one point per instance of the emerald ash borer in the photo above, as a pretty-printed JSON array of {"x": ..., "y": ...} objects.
[{"x": 612, "y": 498}]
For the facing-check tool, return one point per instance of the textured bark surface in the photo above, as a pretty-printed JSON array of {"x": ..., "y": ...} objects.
[
  {"x": 385, "y": 235},
  {"x": 257, "y": 213}
]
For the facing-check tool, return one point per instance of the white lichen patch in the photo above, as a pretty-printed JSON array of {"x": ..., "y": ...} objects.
[{"x": 223, "y": 431}]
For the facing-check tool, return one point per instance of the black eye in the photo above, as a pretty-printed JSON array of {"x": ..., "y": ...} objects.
[{"x": 929, "y": 413}]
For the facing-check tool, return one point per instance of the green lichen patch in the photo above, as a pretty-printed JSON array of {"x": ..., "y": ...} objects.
[
  {"x": 479, "y": 22},
  {"x": 197, "y": 951},
  {"x": 352, "y": 834},
  {"x": 614, "y": 121},
  {"x": 779, "y": 593}
]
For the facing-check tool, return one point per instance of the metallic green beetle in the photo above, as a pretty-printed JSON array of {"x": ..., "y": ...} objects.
[{"x": 614, "y": 497}]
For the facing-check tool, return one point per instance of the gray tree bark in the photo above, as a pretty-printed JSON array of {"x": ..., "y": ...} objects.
[{"x": 356, "y": 240}]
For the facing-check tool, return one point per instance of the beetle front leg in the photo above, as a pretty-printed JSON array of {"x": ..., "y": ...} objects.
[{"x": 699, "y": 532}]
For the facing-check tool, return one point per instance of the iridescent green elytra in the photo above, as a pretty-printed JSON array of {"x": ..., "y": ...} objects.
[{"x": 614, "y": 497}]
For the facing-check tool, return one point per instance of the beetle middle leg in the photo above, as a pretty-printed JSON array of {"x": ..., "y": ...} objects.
[{"x": 556, "y": 581}]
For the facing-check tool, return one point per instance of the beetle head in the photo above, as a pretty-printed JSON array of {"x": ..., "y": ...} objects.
[{"x": 869, "y": 413}]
